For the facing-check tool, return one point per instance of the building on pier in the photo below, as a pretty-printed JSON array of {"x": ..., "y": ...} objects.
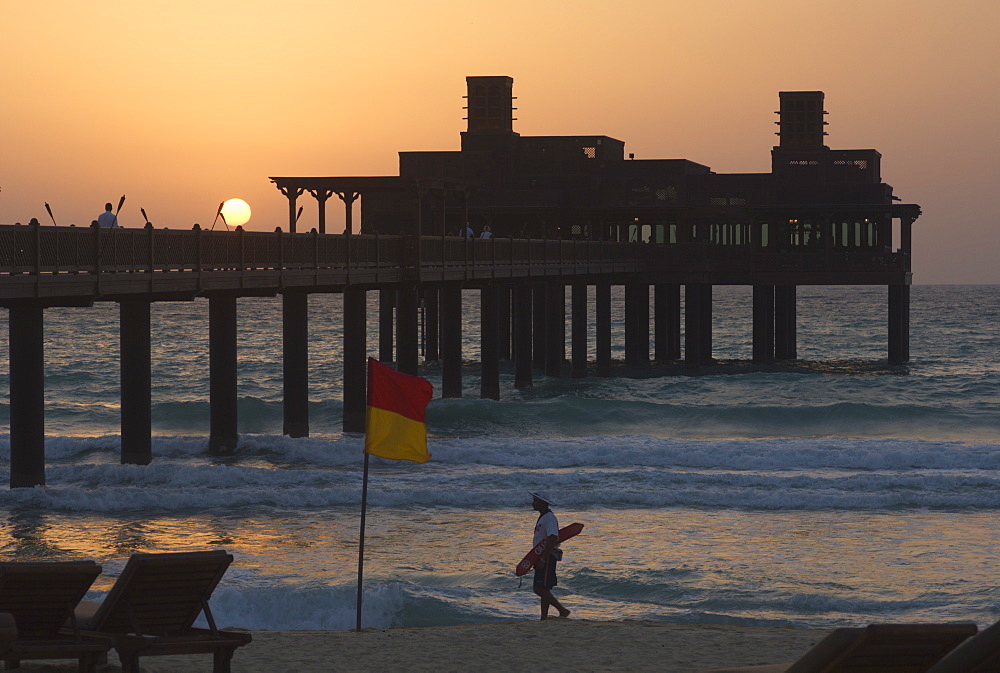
[{"x": 814, "y": 197}]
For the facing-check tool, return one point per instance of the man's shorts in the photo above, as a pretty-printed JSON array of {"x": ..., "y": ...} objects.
[{"x": 545, "y": 577}]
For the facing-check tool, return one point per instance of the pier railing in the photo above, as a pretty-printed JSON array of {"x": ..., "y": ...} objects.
[{"x": 196, "y": 260}]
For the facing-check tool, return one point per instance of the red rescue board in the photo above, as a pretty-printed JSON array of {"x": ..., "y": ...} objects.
[{"x": 529, "y": 559}]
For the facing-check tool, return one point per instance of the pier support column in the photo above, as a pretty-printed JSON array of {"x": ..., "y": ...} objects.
[
  {"x": 386, "y": 306},
  {"x": 451, "y": 340},
  {"x": 432, "y": 329},
  {"x": 489, "y": 340},
  {"x": 602, "y": 336},
  {"x": 578, "y": 329},
  {"x": 504, "y": 325},
  {"x": 555, "y": 328},
  {"x": 407, "y": 334},
  {"x": 666, "y": 322},
  {"x": 637, "y": 324},
  {"x": 27, "y": 396},
  {"x": 763, "y": 323},
  {"x": 785, "y": 338},
  {"x": 538, "y": 325},
  {"x": 136, "y": 382},
  {"x": 899, "y": 324},
  {"x": 706, "y": 324},
  {"x": 295, "y": 363},
  {"x": 521, "y": 318},
  {"x": 355, "y": 392},
  {"x": 697, "y": 324},
  {"x": 223, "y": 437}
]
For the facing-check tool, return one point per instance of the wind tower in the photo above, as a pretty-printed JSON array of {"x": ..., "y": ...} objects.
[
  {"x": 800, "y": 120},
  {"x": 490, "y": 104},
  {"x": 800, "y": 157},
  {"x": 489, "y": 144}
]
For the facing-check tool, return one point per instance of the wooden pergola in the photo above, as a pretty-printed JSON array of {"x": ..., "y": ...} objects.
[{"x": 349, "y": 188}]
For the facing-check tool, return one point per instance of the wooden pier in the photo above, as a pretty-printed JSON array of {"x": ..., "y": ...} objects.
[
  {"x": 522, "y": 283},
  {"x": 564, "y": 211}
]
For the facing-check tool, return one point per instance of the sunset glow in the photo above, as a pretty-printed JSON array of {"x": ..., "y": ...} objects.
[{"x": 149, "y": 109}]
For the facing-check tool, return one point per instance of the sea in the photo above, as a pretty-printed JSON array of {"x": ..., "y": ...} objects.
[{"x": 834, "y": 490}]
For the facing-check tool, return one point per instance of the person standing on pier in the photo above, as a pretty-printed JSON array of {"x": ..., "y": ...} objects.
[
  {"x": 546, "y": 528},
  {"x": 108, "y": 219}
]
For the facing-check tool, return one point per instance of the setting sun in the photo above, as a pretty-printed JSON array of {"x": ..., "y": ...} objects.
[{"x": 236, "y": 212}]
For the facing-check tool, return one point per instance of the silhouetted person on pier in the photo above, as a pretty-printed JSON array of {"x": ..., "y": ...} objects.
[
  {"x": 108, "y": 219},
  {"x": 487, "y": 233},
  {"x": 467, "y": 232}
]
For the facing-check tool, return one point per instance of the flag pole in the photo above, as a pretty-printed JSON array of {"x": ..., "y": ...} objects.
[{"x": 361, "y": 544}]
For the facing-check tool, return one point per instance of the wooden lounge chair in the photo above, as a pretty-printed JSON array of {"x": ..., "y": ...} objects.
[
  {"x": 40, "y": 597},
  {"x": 877, "y": 648},
  {"x": 8, "y": 633},
  {"x": 152, "y": 606},
  {"x": 979, "y": 654}
]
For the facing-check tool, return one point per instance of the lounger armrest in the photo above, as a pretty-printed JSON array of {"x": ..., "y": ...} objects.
[{"x": 84, "y": 614}]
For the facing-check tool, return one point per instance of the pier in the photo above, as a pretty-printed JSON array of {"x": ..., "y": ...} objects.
[{"x": 666, "y": 230}]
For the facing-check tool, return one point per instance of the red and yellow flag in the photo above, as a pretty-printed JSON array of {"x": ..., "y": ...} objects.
[{"x": 395, "y": 427}]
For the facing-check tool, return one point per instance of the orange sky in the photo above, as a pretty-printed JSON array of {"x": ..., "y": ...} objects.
[{"x": 181, "y": 105}]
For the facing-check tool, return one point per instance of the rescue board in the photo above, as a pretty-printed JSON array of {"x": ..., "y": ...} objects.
[{"x": 529, "y": 559}]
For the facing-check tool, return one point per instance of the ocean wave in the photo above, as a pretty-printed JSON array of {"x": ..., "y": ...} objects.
[
  {"x": 346, "y": 451},
  {"x": 270, "y": 471},
  {"x": 575, "y": 416}
]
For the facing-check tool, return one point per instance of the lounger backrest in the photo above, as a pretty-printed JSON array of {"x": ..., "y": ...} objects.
[
  {"x": 980, "y": 654},
  {"x": 42, "y": 595},
  {"x": 883, "y": 648},
  {"x": 161, "y": 594}
]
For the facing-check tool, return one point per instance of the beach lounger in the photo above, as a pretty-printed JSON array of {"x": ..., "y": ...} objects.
[
  {"x": 8, "y": 632},
  {"x": 39, "y": 598},
  {"x": 979, "y": 654},
  {"x": 877, "y": 648},
  {"x": 153, "y": 605}
]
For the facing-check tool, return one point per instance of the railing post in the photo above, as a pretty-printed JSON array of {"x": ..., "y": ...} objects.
[
  {"x": 243, "y": 252},
  {"x": 38, "y": 256},
  {"x": 466, "y": 242},
  {"x": 37, "y": 231},
  {"x": 150, "y": 251},
  {"x": 97, "y": 258},
  {"x": 315, "y": 260},
  {"x": 347, "y": 255},
  {"x": 198, "y": 253},
  {"x": 281, "y": 257}
]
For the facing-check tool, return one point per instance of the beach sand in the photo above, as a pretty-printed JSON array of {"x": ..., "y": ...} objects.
[{"x": 552, "y": 645}]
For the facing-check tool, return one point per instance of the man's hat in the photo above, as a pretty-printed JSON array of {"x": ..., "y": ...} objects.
[{"x": 543, "y": 496}]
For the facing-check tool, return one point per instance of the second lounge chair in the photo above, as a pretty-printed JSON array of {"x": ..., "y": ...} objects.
[
  {"x": 152, "y": 607},
  {"x": 877, "y": 648},
  {"x": 979, "y": 654}
]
